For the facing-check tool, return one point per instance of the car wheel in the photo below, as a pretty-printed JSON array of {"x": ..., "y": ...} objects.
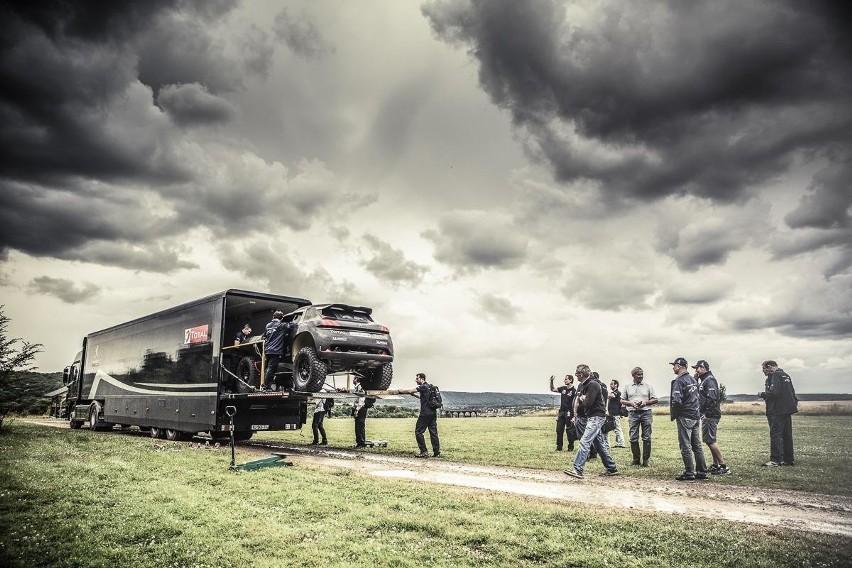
[
  {"x": 173, "y": 435},
  {"x": 156, "y": 432},
  {"x": 309, "y": 371},
  {"x": 379, "y": 378},
  {"x": 249, "y": 374}
]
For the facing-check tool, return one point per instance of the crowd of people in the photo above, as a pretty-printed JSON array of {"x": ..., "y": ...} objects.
[{"x": 589, "y": 411}]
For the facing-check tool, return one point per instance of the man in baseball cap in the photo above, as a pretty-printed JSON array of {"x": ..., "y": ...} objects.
[
  {"x": 684, "y": 408},
  {"x": 709, "y": 402}
]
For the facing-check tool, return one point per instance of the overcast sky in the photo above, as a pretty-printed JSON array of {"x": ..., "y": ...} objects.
[{"x": 514, "y": 187}]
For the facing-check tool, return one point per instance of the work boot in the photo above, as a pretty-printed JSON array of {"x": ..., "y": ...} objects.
[
  {"x": 634, "y": 447},
  {"x": 646, "y": 452}
]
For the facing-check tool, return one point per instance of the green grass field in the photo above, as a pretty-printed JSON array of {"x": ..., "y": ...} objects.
[
  {"x": 81, "y": 498},
  {"x": 529, "y": 441}
]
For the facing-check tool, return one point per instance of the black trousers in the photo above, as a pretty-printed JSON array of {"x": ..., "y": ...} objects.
[
  {"x": 781, "y": 438},
  {"x": 317, "y": 427},
  {"x": 271, "y": 368},
  {"x": 361, "y": 427},
  {"x": 430, "y": 422},
  {"x": 565, "y": 427}
]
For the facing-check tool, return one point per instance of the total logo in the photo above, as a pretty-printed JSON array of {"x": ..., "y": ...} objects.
[{"x": 197, "y": 334}]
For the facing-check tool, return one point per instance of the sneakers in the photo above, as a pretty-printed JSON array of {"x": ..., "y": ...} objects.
[
  {"x": 324, "y": 443},
  {"x": 437, "y": 455},
  {"x": 314, "y": 443},
  {"x": 574, "y": 473},
  {"x": 686, "y": 477},
  {"x": 421, "y": 455},
  {"x": 620, "y": 446},
  {"x": 701, "y": 476},
  {"x": 771, "y": 464},
  {"x": 635, "y": 462},
  {"x": 558, "y": 449},
  {"x": 720, "y": 470},
  {"x": 610, "y": 472}
]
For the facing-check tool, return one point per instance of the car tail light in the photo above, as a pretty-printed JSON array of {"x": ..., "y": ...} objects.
[
  {"x": 325, "y": 322},
  {"x": 383, "y": 329}
]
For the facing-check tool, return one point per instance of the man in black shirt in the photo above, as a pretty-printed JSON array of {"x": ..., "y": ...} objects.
[
  {"x": 593, "y": 401},
  {"x": 564, "y": 425},
  {"x": 781, "y": 405}
]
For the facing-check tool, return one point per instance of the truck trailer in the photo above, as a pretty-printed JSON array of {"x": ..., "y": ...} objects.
[{"x": 175, "y": 373}]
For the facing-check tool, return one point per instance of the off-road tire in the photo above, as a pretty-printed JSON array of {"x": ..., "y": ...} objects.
[
  {"x": 243, "y": 435},
  {"x": 378, "y": 378},
  {"x": 156, "y": 433},
  {"x": 248, "y": 374},
  {"x": 309, "y": 371}
]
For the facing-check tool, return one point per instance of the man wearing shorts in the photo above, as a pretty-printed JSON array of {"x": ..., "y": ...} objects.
[{"x": 709, "y": 401}]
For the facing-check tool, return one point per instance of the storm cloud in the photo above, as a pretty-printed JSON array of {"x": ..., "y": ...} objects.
[
  {"x": 650, "y": 99},
  {"x": 101, "y": 162},
  {"x": 64, "y": 289},
  {"x": 390, "y": 265},
  {"x": 469, "y": 241}
]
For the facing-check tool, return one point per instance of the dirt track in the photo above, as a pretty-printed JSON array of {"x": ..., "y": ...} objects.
[{"x": 799, "y": 510}]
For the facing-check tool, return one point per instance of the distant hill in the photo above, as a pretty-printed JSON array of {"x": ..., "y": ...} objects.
[{"x": 461, "y": 400}]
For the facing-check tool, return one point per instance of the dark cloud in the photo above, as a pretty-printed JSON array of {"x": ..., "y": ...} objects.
[
  {"x": 474, "y": 240},
  {"x": 497, "y": 308},
  {"x": 267, "y": 265},
  {"x": 390, "y": 265},
  {"x": 823, "y": 218},
  {"x": 301, "y": 35},
  {"x": 191, "y": 104},
  {"x": 825, "y": 311},
  {"x": 700, "y": 243},
  {"x": 64, "y": 289},
  {"x": 43, "y": 221},
  {"x": 649, "y": 99},
  {"x": 94, "y": 170},
  {"x": 609, "y": 289}
]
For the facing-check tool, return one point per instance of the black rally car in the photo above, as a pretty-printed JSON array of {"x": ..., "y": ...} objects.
[{"x": 333, "y": 338}]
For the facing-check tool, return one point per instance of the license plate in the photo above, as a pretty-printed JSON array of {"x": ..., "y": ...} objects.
[{"x": 361, "y": 334}]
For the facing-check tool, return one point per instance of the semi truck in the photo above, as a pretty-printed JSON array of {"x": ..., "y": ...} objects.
[{"x": 175, "y": 372}]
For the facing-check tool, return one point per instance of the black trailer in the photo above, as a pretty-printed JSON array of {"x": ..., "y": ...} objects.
[{"x": 175, "y": 372}]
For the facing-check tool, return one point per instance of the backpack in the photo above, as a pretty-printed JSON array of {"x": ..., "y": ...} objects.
[
  {"x": 434, "y": 400},
  {"x": 328, "y": 404},
  {"x": 369, "y": 402}
]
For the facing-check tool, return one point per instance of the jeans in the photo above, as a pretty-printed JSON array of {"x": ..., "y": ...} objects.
[
  {"x": 645, "y": 418},
  {"x": 593, "y": 436},
  {"x": 619, "y": 435},
  {"x": 430, "y": 422},
  {"x": 781, "y": 438},
  {"x": 689, "y": 440}
]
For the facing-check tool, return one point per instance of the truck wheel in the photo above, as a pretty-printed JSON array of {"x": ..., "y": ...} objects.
[
  {"x": 379, "y": 378},
  {"x": 172, "y": 435},
  {"x": 242, "y": 436},
  {"x": 309, "y": 371},
  {"x": 156, "y": 432},
  {"x": 248, "y": 373},
  {"x": 93, "y": 417},
  {"x": 75, "y": 424}
]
